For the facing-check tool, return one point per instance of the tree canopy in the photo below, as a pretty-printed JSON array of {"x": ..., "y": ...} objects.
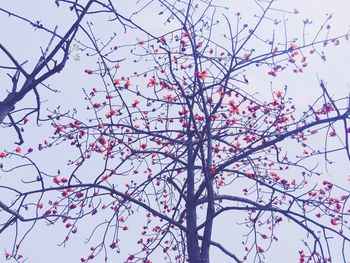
[{"x": 174, "y": 149}]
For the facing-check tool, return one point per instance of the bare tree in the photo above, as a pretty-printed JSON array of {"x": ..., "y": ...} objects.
[
  {"x": 179, "y": 140},
  {"x": 52, "y": 61}
]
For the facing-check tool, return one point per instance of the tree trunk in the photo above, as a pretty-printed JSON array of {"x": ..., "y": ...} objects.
[{"x": 191, "y": 213}]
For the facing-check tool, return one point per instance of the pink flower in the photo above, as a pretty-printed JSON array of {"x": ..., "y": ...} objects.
[
  {"x": 152, "y": 82},
  {"x": 88, "y": 71},
  {"x": 127, "y": 83},
  {"x": 136, "y": 102}
]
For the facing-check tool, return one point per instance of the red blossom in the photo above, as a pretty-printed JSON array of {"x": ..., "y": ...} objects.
[
  {"x": 332, "y": 134},
  {"x": 261, "y": 250},
  {"x": 56, "y": 180},
  {"x": 152, "y": 82},
  {"x": 88, "y": 71},
  {"x": 2, "y": 155},
  {"x": 143, "y": 145},
  {"x": 279, "y": 94},
  {"x": 136, "y": 102},
  {"x": 127, "y": 84}
]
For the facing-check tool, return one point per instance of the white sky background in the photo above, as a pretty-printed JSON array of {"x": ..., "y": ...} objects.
[{"x": 41, "y": 244}]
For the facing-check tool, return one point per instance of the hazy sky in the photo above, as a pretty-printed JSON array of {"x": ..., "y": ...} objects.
[{"x": 25, "y": 42}]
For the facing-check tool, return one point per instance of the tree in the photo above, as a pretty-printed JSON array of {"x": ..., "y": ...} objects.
[
  {"x": 26, "y": 81},
  {"x": 173, "y": 137}
]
